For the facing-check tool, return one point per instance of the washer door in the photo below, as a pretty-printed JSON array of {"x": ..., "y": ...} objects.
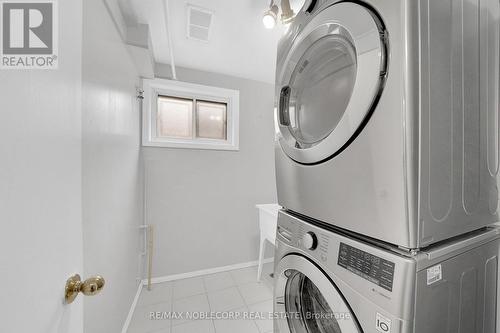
[
  {"x": 330, "y": 81},
  {"x": 306, "y": 301}
]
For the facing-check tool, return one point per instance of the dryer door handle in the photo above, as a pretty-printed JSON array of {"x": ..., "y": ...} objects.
[{"x": 284, "y": 114}]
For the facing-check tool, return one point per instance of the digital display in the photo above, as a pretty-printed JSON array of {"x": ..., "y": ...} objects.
[{"x": 372, "y": 268}]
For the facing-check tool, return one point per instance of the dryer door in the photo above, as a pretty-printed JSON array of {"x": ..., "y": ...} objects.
[
  {"x": 306, "y": 301},
  {"x": 330, "y": 81}
]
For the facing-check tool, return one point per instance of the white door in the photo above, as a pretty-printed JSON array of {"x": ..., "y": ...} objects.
[
  {"x": 40, "y": 188},
  {"x": 306, "y": 301},
  {"x": 332, "y": 77}
]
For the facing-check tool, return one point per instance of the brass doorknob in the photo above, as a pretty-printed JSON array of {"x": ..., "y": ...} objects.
[{"x": 90, "y": 287}]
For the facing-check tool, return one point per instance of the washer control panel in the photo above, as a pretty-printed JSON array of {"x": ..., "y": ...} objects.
[{"x": 372, "y": 268}]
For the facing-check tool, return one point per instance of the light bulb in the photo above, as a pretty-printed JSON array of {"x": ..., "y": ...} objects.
[
  {"x": 269, "y": 21},
  {"x": 270, "y": 17}
]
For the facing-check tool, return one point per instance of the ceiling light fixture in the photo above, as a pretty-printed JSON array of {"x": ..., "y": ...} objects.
[
  {"x": 287, "y": 13},
  {"x": 270, "y": 16}
]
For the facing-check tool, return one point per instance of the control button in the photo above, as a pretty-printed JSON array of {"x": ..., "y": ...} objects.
[{"x": 310, "y": 241}]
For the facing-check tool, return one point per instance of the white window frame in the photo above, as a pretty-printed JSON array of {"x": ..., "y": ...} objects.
[{"x": 161, "y": 87}]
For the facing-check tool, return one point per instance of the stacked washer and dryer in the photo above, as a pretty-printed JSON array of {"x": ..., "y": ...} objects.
[{"x": 387, "y": 164}]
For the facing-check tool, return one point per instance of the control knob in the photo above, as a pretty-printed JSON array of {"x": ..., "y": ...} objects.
[{"x": 310, "y": 241}]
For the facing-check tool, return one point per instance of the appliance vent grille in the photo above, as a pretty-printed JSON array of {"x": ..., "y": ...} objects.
[{"x": 199, "y": 23}]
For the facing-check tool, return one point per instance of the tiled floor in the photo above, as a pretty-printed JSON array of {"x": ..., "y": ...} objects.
[{"x": 233, "y": 293}]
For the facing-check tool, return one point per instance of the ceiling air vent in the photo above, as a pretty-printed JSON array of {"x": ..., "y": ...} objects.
[{"x": 199, "y": 22}]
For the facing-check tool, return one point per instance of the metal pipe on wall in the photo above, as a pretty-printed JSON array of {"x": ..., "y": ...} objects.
[
  {"x": 150, "y": 252},
  {"x": 169, "y": 38}
]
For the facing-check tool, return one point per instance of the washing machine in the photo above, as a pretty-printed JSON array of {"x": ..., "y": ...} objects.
[
  {"x": 328, "y": 282},
  {"x": 388, "y": 117}
]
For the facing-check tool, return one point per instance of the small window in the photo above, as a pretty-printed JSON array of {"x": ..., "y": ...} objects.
[
  {"x": 174, "y": 117},
  {"x": 185, "y": 115},
  {"x": 211, "y": 120}
]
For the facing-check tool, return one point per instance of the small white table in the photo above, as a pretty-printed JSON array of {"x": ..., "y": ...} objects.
[{"x": 268, "y": 221}]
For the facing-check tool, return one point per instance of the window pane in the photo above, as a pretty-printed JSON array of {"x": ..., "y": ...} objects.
[
  {"x": 211, "y": 120},
  {"x": 175, "y": 117}
]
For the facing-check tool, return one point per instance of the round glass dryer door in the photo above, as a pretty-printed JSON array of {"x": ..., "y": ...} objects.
[
  {"x": 307, "y": 302},
  {"x": 328, "y": 86}
]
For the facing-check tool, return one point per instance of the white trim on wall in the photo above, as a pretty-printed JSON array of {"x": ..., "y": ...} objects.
[
  {"x": 174, "y": 277},
  {"x": 208, "y": 271},
  {"x": 126, "y": 324}
]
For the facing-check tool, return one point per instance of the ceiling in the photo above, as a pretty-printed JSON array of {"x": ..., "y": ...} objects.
[{"x": 239, "y": 44}]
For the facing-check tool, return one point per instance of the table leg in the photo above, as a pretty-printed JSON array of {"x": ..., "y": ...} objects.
[{"x": 261, "y": 257}]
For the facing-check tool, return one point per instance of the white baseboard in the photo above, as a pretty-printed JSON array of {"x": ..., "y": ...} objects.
[
  {"x": 184, "y": 276},
  {"x": 214, "y": 270},
  {"x": 132, "y": 308}
]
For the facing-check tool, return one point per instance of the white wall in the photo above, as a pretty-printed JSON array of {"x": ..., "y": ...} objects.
[
  {"x": 202, "y": 201},
  {"x": 40, "y": 188},
  {"x": 112, "y": 172}
]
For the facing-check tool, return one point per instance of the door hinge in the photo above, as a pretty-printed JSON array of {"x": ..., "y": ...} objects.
[{"x": 140, "y": 94}]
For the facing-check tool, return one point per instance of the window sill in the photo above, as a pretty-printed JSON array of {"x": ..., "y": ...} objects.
[{"x": 192, "y": 145}]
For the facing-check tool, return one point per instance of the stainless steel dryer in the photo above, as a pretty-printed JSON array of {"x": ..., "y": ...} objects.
[
  {"x": 328, "y": 282},
  {"x": 388, "y": 113}
]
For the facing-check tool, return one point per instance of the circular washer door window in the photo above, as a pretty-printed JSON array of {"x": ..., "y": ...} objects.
[
  {"x": 308, "y": 302},
  {"x": 331, "y": 78}
]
